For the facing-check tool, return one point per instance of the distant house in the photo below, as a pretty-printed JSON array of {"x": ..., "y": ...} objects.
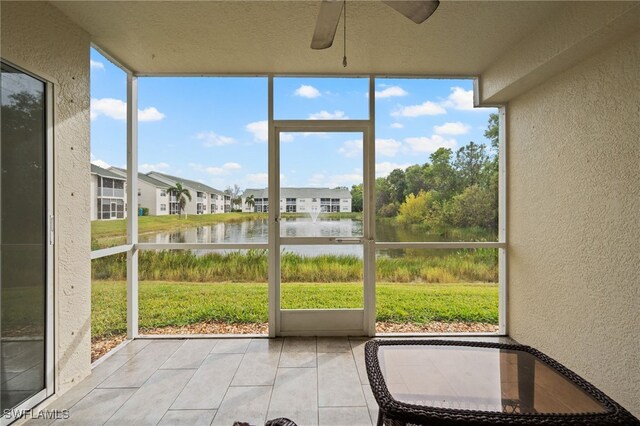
[
  {"x": 152, "y": 193},
  {"x": 300, "y": 200},
  {"x": 108, "y": 194},
  {"x": 204, "y": 199}
]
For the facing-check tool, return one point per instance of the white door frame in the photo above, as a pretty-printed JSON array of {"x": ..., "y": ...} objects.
[
  {"x": 49, "y": 355},
  {"x": 326, "y": 321}
]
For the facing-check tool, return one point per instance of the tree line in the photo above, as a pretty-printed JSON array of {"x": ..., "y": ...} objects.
[{"x": 457, "y": 190}]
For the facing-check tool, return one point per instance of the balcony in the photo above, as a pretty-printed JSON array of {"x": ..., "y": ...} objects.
[{"x": 563, "y": 74}]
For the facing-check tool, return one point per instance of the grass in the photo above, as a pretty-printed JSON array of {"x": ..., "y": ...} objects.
[
  {"x": 464, "y": 265},
  {"x": 181, "y": 303}
]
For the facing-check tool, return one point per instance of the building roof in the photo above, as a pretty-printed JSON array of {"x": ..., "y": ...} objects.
[
  {"x": 300, "y": 193},
  {"x": 97, "y": 170},
  {"x": 142, "y": 177},
  {"x": 200, "y": 187}
]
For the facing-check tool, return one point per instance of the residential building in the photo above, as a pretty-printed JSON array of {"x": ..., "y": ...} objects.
[
  {"x": 108, "y": 194},
  {"x": 300, "y": 200},
  {"x": 204, "y": 199},
  {"x": 152, "y": 193}
]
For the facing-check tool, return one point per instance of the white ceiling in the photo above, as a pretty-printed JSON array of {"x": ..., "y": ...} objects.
[{"x": 258, "y": 37}]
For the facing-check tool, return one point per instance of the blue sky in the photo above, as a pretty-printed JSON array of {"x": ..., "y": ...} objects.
[{"x": 214, "y": 129}]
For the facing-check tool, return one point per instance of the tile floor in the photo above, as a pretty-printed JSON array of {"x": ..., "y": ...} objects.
[{"x": 313, "y": 381}]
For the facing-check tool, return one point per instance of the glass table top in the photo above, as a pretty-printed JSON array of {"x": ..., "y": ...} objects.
[{"x": 478, "y": 378}]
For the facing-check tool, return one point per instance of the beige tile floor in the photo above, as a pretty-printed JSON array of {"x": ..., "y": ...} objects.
[{"x": 313, "y": 381}]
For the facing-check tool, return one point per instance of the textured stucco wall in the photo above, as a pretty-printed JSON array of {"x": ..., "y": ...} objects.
[
  {"x": 574, "y": 219},
  {"x": 39, "y": 38}
]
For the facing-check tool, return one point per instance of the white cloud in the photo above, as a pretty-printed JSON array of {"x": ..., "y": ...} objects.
[
  {"x": 397, "y": 125},
  {"x": 261, "y": 179},
  {"x": 210, "y": 139},
  {"x": 459, "y": 99},
  {"x": 216, "y": 170},
  {"x": 150, "y": 114},
  {"x": 391, "y": 91},
  {"x": 306, "y": 91},
  {"x": 426, "y": 144},
  {"x": 383, "y": 169},
  {"x": 322, "y": 180},
  {"x": 452, "y": 128},
  {"x": 260, "y": 132},
  {"x": 384, "y": 148},
  {"x": 145, "y": 168},
  {"x": 117, "y": 110},
  {"x": 96, "y": 65},
  {"x": 326, "y": 115},
  {"x": 351, "y": 148},
  {"x": 426, "y": 108},
  {"x": 387, "y": 147},
  {"x": 231, "y": 166},
  {"x": 101, "y": 163}
]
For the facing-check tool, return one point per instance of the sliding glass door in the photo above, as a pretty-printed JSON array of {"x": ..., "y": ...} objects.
[{"x": 25, "y": 253}]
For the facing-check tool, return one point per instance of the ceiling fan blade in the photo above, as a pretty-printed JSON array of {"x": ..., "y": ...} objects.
[
  {"x": 416, "y": 10},
  {"x": 327, "y": 23}
]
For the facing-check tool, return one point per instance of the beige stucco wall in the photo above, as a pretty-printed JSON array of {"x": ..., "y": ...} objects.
[
  {"x": 39, "y": 38},
  {"x": 574, "y": 219}
]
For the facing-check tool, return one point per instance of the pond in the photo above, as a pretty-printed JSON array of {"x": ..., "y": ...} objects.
[{"x": 256, "y": 231}]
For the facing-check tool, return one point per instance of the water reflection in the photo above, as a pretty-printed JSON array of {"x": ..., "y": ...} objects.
[{"x": 256, "y": 231}]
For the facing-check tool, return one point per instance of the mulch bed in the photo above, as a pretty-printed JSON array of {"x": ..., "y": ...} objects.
[{"x": 100, "y": 346}]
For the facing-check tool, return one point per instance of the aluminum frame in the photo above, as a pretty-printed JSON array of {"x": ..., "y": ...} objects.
[
  {"x": 370, "y": 245},
  {"x": 316, "y": 317},
  {"x": 50, "y": 285}
]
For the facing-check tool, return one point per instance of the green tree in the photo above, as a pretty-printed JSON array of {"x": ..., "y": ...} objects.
[
  {"x": 416, "y": 179},
  {"x": 383, "y": 193},
  {"x": 234, "y": 195},
  {"x": 422, "y": 208},
  {"x": 181, "y": 193},
  {"x": 356, "y": 198},
  {"x": 397, "y": 185},
  {"x": 250, "y": 202},
  {"x": 470, "y": 162},
  {"x": 474, "y": 207},
  {"x": 440, "y": 175},
  {"x": 493, "y": 131}
]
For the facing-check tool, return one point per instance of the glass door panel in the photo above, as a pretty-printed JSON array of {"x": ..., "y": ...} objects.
[{"x": 23, "y": 237}]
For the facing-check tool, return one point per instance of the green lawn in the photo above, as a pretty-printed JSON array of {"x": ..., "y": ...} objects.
[{"x": 182, "y": 303}]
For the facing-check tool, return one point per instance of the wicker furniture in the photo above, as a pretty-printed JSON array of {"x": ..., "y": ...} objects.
[{"x": 445, "y": 382}]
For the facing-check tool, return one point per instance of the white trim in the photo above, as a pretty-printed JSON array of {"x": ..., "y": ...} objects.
[
  {"x": 117, "y": 62},
  {"x": 50, "y": 360},
  {"x": 318, "y": 241},
  {"x": 132, "y": 205},
  {"x": 28, "y": 404},
  {"x": 335, "y": 126},
  {"x": 50, "y": 244},
  {"x": 200, "y": 336},
  {"x": 503, "y": 293},
  {"x": 369, "y": 216},
  {"x": 323, "y": 321},
  {"x": 200, "y": 246},
  {"x": 110, "y": 251},
  {"x": 439, "y": 245},
  {"x": 274, "y": 220}
]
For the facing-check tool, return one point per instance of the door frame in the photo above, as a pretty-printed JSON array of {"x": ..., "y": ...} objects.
[
  {"x": 50, "y": 239},
  {"x": 326, "y": 321}
]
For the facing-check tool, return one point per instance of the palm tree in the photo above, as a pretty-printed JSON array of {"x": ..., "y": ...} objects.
[
  {"x": 250, "y": 202},
  {"x": 181, "y": 194}
]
